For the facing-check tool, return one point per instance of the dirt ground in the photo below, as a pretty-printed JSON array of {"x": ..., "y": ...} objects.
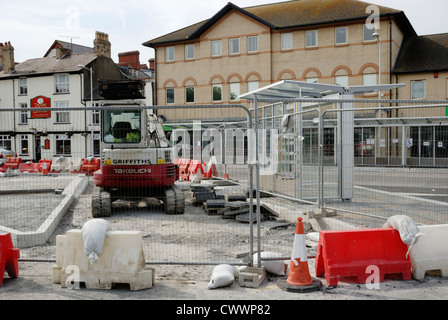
[{"x": 195, "y": 242}]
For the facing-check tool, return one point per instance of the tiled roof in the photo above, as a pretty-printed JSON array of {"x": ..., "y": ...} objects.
[
  {"x": 51, "y": 65},
  {"x": 288, "y": 14},
  {"x": 75, "y": 48},
  {"x": 423, "y": 54}
]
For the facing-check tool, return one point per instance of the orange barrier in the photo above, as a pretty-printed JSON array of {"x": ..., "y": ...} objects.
[
  {"x": 210, "y": 171},
  {"x": 356, "y": 253},
  {"x": 89, "y": 166},
  {"x": 9, "y": 257}
]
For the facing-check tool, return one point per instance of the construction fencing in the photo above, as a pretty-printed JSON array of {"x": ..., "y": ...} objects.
[{"x": 262, "y": 171}]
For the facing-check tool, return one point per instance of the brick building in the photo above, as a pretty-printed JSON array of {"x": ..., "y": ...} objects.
[{"x": 328, "y": 41}]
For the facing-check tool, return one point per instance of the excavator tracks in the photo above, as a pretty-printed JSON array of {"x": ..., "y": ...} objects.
[
  {"x": 101, "y": 203},
  {"x": 173, "y": 202}
]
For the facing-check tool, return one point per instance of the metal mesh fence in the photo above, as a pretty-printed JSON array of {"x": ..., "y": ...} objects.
[{"x": 398, "y": 166}]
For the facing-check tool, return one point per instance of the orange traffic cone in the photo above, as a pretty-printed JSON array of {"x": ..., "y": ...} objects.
[
  {"x": 44, "y": 168},
  {"x": 299, "y": 278}
]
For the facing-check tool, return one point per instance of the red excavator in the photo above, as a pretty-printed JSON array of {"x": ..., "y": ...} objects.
[{"x": 136, "y": 155}]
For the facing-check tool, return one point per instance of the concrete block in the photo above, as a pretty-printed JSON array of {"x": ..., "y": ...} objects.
[
  {"x": 430, "y": 252},
  {"x": 122, "y": 261},
  {"x": 252, "y": 277}
]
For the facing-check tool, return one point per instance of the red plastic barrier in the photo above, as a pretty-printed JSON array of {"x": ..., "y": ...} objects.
[
  {"x": 350, "y": 253},
  {"x": 195, "y": 166},
  {"x": 9, "y": 257},
  {"x": 40, "y": 166},
  {"x": 29, "y": 167},
  {"x": 90, "y": 166},
  {"x": 184, "y": 164},
  {"x": 212, "y": 171},
  {"x": 11, "y": 163}
]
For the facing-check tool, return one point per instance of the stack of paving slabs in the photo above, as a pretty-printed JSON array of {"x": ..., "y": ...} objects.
[{"x": 202, "y": 193}]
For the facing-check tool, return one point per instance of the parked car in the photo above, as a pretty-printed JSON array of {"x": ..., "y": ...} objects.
[{"x": 4, "y": 154}]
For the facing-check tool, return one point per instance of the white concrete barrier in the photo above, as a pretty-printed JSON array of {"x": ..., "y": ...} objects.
[
  {"x": 122, "y": 261},
  {"x": 430, "y": 252}
]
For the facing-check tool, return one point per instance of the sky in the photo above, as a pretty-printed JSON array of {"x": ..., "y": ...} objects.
[{"x": 32, "y": 26}]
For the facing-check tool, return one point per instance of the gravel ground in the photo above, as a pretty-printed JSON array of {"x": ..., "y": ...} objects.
[{"x": 191, "y": 240}]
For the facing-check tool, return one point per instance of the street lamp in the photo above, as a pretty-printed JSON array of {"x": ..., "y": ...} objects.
[
  {"x": 91, "y": 104},
  {"x": 376, "y": 35}
]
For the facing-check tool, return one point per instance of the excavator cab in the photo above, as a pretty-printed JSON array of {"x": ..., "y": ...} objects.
[{"x": 124, "y": 129}]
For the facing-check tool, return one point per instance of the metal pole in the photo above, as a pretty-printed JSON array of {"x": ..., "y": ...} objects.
[
  {"x": 257, "y": 179},
  {"x": 91, "y": 112}
]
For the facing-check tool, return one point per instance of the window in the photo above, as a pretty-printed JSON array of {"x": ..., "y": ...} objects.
[
  {"x": 23, "y": 114},
  {"x": 369, "y": 30},
  {"x": 169, "y": 54},
  {"x": 216, "y": 48},
  {"x": 61, "y": 83},
  {"x": 234, "y": 46},
  {"x": 189, "y": 51},
  {"x": 217, "y": 92},
  {"x": 97, "y": 144},
  {"x": 311, "y": 80},
  {"x": 24, "y": 145},
  {"x": 311, "y": 38},
  {"x": 418, "y": 89},
  {"x": 286, "y": 41},
  {"x": 189, "y": 94},
  {"x": 63, "y": 145},
  {"x": 369, "y": 79},
  {"x": 169, "y": 95},
  {"x": 252, "y": 44},
  {"x": 5, "y": 142},
  {"x": 96, "y": 115},
  {"x": 252, "y": 85},
  {"x": 62, "y": 116},
  {"x": 341, "y": 81},
  {"x": 234, "y": 90},
  {"x": 23, "y": 86},
  {"x": 341, "y": 35}
]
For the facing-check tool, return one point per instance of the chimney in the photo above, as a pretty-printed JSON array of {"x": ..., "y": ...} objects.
[
  {"x": 1, "y": 56},
  {"x": 101, "y": 44},
  {"x": 131, "y": 58},
  {"x": 8, "y": 57}
]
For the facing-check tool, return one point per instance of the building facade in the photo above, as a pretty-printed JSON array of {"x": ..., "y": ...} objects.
[
  {"x": 59, "y": 80},
  {"x": 344, "y": 42}
]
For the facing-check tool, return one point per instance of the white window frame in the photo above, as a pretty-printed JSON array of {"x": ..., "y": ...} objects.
[
  {"x": 286, "y": 41},
  {"x": 252, "y": 85},
  {"x": 232, "y": 43},
  {"x": 63, "y": 138},
  {"x": 64, "y": 115},
  {"x": 169, "y": 54},
  {"x": 341, "y": 81},
  {"x": 23, "y": 114},
  {"x": 24, "y": 144},
  {"x": 186, "y": 94},
  {"x": 345, "y": 34},
  {"x": 252, "y": 44},
  {"x": 235, "y": 88},
  {"x": 314, "y": 34},
  {"x": 189, "y": 51},
  {"x": 61, "y": 83},
  {"x": 370, "y": 79},
  {"x": 219, "y": 86},
  {"x": 23, "y": 86},
  {"x": 415, "y": 96},
  {"x": 216, "y": 48},
  {"x": 368, "y": 33},
  {"x": 167, "y": 90}
]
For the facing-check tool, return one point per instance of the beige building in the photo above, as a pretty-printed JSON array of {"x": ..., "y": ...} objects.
[{"x": 345, "y": 42}]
